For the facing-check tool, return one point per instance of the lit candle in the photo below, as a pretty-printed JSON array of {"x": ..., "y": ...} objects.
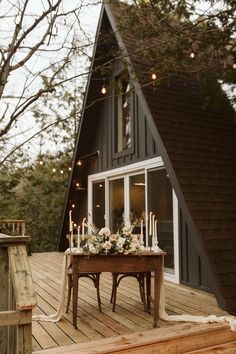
[
  {"x": 78, "y": 238},
  {"x": 150, "y": 223},
  {"x": 83, "y": 225},
  {"x": 70, "y": 220},
  {"x": 141, "y": 231}
]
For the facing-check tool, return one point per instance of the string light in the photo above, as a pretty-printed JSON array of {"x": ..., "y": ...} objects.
[
  {"x": 154, "y": 76},
  {"x": 54, "y": 170},
  {"x": 61, "y": 172},
  {"x": 234, "y": 63},
  {"x": 79, "y": 163},
  {"x": 73, "y": 205},
  {"x": 192, "y": 54},
  {"x": 103, "y": 90},
  {"x": 41, "y": 162},
  {"x": 77, "y": 184},
  {"x": 69, "y": 168}
]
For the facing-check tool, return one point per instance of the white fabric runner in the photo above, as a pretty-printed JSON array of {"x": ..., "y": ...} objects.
[{"x": 162, "y": 312}]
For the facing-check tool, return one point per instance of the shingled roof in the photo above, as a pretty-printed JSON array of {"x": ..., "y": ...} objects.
[{"x": 197, "y": 142}]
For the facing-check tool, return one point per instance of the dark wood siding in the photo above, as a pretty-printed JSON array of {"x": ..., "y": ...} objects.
[
  {"x": 143, "y": 145},
  {"x": 192, "y": 272}
]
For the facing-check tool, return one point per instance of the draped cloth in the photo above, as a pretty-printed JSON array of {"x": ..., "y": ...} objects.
[{"x": 162, "y": 312}]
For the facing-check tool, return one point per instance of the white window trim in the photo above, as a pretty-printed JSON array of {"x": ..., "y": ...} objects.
[
  {"x": 137, "y": 167},
  {"x": 167, "y": 276}
]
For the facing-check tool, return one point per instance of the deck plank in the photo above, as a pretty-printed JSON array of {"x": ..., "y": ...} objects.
[{"x": 128, "y": 319}]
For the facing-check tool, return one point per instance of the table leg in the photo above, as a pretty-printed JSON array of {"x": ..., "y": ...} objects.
[
  {"x": 157, "y": 288},
  {"x": 148, "y": 290},
  {"x": 75, "y": 280}
]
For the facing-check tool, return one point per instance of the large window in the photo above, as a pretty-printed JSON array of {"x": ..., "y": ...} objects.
[
  {"x": 116, "y": 203},
  {"x": 99, "y": 203},
  {"x": 122, "y": 113},
  {"x": 160, "y": 203},
  {"x": 137, "y": 201},
  {"x": 130, "y": 193}
]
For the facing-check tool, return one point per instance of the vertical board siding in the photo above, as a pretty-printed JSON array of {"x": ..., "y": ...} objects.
[
  {"x": 143, "y": 145},
  {"x": 192, "y": 271}
]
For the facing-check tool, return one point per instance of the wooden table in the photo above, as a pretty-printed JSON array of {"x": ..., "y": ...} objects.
[{"x": 143, "y": 262}]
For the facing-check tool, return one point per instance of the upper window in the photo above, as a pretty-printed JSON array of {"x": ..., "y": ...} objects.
[{"x": 122, "y": 113}]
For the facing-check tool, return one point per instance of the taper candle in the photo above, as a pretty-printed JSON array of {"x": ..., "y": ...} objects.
[
  {"x": 83, "y": 225},
  {"x": 156, "y": 240},
  {"x": 141, "y": 232},
  {"x": 150, "y": 223},
  {"x": 78, "y": 238},
  {"x": 70, "y": 220}
]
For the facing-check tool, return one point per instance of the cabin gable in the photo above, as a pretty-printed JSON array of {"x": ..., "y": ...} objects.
[{"x": 193, "y": 142}]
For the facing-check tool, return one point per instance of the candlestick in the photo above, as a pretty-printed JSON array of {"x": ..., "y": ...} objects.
[{"x": 78, "y": 238}]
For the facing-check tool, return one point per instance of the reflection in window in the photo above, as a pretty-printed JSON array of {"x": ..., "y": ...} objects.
[
  {"x": 137, "y": 200},
  {"x": 99, "y": 204},
  {"x": 160, "y": 203},
  {"x": 116, "y": 203},
  {"x": 122, "y": 114}
]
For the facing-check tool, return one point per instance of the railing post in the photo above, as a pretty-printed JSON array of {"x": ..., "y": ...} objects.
[
  {"x": 17, "y": 296},
  {"x": 4, "y": 281}
]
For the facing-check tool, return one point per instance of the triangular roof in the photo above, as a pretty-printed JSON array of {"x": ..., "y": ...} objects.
[{"x": 197, "y": 145}]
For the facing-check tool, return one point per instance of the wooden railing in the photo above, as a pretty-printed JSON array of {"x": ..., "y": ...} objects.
[
  {"x": 17, "y": 296},
  {"x": 12, "y": 227}
]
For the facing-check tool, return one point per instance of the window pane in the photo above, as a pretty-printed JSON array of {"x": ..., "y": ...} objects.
[
  {"x": 137, "y": 200},
  {"x": 160, "y": 203},
  {"x": 123, "y": 114},
  {"x": 99, "y": 204},
  {"x": 116, "y": 203}
]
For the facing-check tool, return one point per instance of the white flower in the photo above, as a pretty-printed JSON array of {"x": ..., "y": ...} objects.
[
  {"x": 120, "y": 242},
  {"x": 113, "y": 237},
  {"x": 104, "y": 231},
  {"x": 127, "y": 229},
  {"x": 93, "y": 249},
  {"x": 107, "y": 245}
]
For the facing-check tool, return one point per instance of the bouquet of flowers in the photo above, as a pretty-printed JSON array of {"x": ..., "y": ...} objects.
[{"x": 104, "y": 242}]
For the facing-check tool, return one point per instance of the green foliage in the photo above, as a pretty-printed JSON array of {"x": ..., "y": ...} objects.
[{"x": 36, "y": 194}]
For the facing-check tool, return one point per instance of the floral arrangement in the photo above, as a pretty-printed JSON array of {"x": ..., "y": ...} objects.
[{"x": 104, "y": 242}]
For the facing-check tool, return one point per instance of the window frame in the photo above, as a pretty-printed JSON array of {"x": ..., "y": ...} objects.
[{"x": 129, "y": 150}]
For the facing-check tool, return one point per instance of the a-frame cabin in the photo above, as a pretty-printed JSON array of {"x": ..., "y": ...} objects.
[{"x": 143, "y": 148}]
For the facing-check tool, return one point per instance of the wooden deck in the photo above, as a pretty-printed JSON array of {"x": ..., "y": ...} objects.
[{"x": 129, "y": 317}]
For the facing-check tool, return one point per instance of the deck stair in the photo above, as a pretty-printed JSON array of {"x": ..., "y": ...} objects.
[
  {"x": 226, "y": 348},
  {"x": 179, "y": 339}
]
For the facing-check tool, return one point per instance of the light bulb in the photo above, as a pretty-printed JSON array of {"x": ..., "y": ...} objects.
[
  {"x": 154, "y": 76},
  {"x": 234, "y": 65},
  {"x": 103, "y": 90},
  {"x": 79, "y": 163},
  {"x": 54, "y": 170},
  {"x": 192, "y": 55},
  {"x": 41, "y": 162},
  {"x": 61, "y": 172},
  {"x": 69, "y": 168},
  {"x": 73, "y": 205}
]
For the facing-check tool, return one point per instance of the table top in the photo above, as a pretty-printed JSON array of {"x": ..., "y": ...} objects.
[{"x": 139, "y": 254}]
